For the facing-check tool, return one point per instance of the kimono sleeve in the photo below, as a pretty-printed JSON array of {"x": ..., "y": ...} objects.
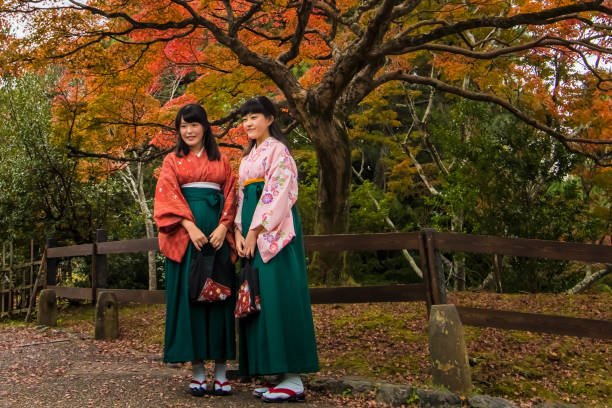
[
  {"x": 170, "y": 206},
  {"x": 280, "y": 190},
  {"x": 240, "y": 198},
  {"x": 229, "y": 192},
  {"x": 169, "y": 210}
]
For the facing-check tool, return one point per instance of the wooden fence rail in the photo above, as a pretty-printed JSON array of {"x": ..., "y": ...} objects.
[{"x": 429, "y": 244}]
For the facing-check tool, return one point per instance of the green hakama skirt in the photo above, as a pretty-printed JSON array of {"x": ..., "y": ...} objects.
[
  {"x": 198, "y": 331},
  {"x": 280, "y": 338}
]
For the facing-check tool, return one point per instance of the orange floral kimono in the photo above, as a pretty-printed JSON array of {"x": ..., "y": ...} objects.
[{"x": 171, "y": 207}]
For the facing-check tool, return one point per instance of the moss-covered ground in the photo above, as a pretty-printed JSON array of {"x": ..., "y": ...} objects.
[{"x": 388, "y": 342}]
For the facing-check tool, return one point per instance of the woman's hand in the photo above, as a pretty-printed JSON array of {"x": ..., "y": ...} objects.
[
  {"x": 217, "y": 236},
  {"x": 195, "y": 234},
  {"x": 251, "y": 242},
  {"x": 240, "y": 242}
]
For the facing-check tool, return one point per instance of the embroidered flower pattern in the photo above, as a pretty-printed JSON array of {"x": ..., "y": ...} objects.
[
  {"x": 267, "y": 198},
  {"x": 272, "y": 162}
]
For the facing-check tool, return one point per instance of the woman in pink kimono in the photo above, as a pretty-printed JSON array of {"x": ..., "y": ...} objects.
[{"x": 280, "y": 338}]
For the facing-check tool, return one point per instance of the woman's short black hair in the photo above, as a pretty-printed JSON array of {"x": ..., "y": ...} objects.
[
  {"x": 263, "y": 105},
  {"x": 193, "y": 113}
]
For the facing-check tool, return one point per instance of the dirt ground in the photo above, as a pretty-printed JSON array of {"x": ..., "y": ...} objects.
[{"x": 52, "y": 368}]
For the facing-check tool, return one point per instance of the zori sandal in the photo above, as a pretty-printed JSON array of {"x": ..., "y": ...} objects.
[
  {"x": 197, "y": 388},
  {"x": 222, "y": 388},
  {"x": 258, "y": 392},
  {"x": 283, "y": 395}
]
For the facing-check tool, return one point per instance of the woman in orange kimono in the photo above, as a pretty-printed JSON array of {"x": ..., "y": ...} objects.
[{"x": 194, "y": 211}]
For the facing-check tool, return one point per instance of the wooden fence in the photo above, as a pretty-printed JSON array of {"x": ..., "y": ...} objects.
[
  {"x": 429, "y": 244},
  {"x": 18, "y": 281}
]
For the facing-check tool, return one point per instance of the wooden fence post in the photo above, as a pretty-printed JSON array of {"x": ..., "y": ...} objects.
[
  {"x": 98, "y": 266},
  {"x": 51, "y": 269},
  {"x": 426, "y": 271},
  {"x": 436, "y": 273}
]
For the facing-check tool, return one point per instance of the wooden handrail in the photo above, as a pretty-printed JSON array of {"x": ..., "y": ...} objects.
[
  {"x": 429, "y": 243},
  {"x": 444, "y": 241}
]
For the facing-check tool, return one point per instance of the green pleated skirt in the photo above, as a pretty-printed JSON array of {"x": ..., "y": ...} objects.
[
  {"x": 280, "y": 338},
  {"x": 198, "y": 331}
]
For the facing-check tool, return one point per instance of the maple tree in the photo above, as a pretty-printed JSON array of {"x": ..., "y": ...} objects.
[{"x": 545, "y": 62}]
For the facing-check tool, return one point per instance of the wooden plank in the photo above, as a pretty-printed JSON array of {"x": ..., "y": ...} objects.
[
  {"x": 128, "y": 246},
  {"x": 68, "y": 251},
  {"x": 532, "y": 248},
  {"x": 391, "y": 293},
  {"x": 340, "y": 242},
  {"x": 362, "y": 242},
  {"x": 138, "y": 296},
  {"x": 538, "y": 323},
  {"x": 71, "y": 293}
]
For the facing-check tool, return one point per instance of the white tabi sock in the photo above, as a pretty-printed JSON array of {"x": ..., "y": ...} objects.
[
  {"x": 220, "y": 372},
  {"x": 221, "y": 377},
  {"x": 198, "y": 374},
  {"x": 291, "y": 382}
]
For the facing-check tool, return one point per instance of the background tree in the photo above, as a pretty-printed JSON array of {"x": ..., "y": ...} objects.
[{"x": 323, "y": 58}]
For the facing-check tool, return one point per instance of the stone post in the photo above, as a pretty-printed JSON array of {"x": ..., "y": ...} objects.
[
  {"x": 107, "y": 317},
  {"x": 47, "y": 308},
  {"x": 447, "y": 350}
]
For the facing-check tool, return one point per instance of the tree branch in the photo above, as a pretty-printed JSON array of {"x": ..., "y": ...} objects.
[
  {"x": 75, "y": 152},
  {"x": 390, "y": 223},
  {"x": 303, "y": 17},
  {"x": 544, "y": 41},
  {"x": 543, "y": 17},
  {"x": 477, "y": 96},
  {"x": 589, "y": 279}
]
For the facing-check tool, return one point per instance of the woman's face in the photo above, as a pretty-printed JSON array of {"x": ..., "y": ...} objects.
[
  {"x": 192, "y": 134},
  {"x": 256, "y": 125}
]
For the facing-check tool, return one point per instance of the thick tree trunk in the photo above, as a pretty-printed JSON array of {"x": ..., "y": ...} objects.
[
  {"x": 487, "y": 283},
  {"x": 459, "y": 258},
  {"x": 498, "y": 266},
  {"x": 150, "y": 231},
  {"x": 459, "y": 267},
  {"x": 333, "y": 152},
  {"x": 151, "y": 256}
]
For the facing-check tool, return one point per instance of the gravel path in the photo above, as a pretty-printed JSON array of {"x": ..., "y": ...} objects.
[{"x": 50, "y": 368}]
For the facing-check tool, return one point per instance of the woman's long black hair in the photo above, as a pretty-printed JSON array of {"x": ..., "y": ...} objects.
[
  {"x": 195, "y": 113},
  {"x": 263, "y": 105}
]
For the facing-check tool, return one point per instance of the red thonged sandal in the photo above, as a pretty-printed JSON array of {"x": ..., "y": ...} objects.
[
  {"x": 197, "y": 388},
  {"x": 259, "y": 391},
  {"x": 222, "y": 389},
  {"x": 283, "y": 395}
]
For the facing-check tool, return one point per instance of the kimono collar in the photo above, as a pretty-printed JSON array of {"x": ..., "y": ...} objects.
[{"x": 265, "y": 142}]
